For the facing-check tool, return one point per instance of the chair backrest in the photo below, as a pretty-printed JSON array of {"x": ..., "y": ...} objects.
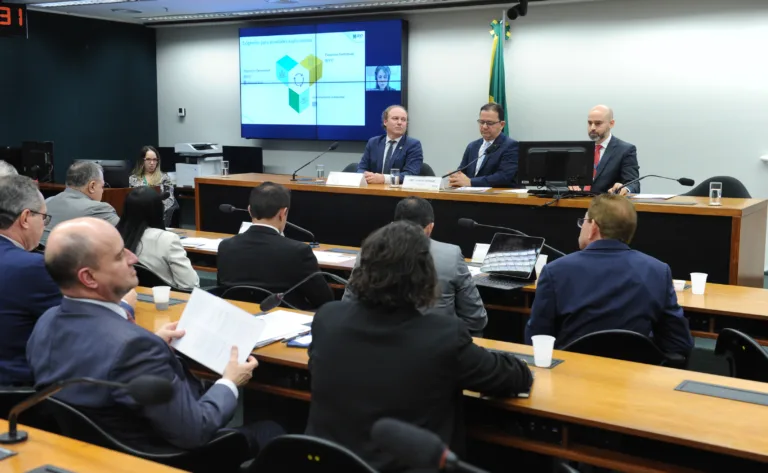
[
  {"x": 426, "y": 170},
  {"x": 252, "y": 294},
  {"x": 619, "y": 344},
  {"x": 351, "y": 167},
  {"x": 746, "y": 358},
  {"x": 732, "y": 188},
  {"x": 302, "y": 453},
  {"x": 149, "y": 278}
]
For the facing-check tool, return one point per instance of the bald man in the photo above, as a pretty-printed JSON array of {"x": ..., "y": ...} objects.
[{"x": 615, "y": 160}]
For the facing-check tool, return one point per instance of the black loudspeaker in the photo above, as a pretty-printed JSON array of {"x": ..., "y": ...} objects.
[
  {"x": 243, "y": 159},
  {"x": 518, "y": 10},
  {"x": 512, "y": 14}
]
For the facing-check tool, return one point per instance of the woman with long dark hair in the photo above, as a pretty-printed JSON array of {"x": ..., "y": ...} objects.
[
  {"x": 143, "y": 232},
  {"x": 147, "y": 172}
]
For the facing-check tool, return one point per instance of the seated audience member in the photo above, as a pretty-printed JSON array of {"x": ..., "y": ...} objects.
[
  {"x": 615, "y": 160},
  {"x": 144, "y": 235},
  {"x": 264, "y": 258},
  {"x": 608, "y": 285},
  {"x": 392, "y": 150},
  {"x": 26, "y": 289},
  {"x": 81, "y": 198},
  {"x": 379, "y": 356},
  {"x": 457, "y": 293},
  {"x": 6, "y": 169},
  {"x": 147, "y": 173},
  {"x": 91, "y": 335}
]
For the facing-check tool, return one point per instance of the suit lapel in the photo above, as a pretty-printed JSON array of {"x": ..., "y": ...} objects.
[
  {"x": 488, "y": 152},
  {"x": 606, "y": 156}
]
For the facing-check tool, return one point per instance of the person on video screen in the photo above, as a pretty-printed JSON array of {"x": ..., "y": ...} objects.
[{"x": 382, "y": 78}]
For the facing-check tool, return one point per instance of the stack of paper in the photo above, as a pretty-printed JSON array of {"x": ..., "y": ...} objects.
[
  {"x": 653, "y": 196},
  {"x": 327, "y": 257},
  {"x": 281, "y": 325},
  {"x": 208, "y": 244},
  {"x": 471, "y": 189}
]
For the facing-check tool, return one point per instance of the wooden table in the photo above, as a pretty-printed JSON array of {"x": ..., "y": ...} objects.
[
  {"x": 640, "y": 422},
  {"x": 44, "y": 448},
  {"x": 727, "y": 242}
]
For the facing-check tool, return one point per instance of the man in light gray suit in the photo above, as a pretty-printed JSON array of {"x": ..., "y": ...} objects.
[
  {"x": 81, "y": 198},
  {"x": 458, "y": 294}
]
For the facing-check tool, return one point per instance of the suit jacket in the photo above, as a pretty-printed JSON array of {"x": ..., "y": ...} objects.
[
  {"x": 26, "y": 291},
  {"x": 618, "y": 164},
  {"x": 262, "y": 257},
  {"x": 458, "y": 293},
  {"x": 499, "y": 167},
  {"x": 71, "y": 203},
  {"x": 161, "y": 251},
  {"x": 367, "y": 363},
  {"x": 608, "y": 286},
  {"x": 407, "y": 156},
  {"x": 79, "y": 339}
]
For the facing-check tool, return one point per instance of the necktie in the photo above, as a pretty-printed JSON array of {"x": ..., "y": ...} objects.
[
  {"x": 594, "y": 167},
  {"x": 131, "y": 318},
  {"x": 480, "y": 160},
  {"x": 388, "y": 157}
]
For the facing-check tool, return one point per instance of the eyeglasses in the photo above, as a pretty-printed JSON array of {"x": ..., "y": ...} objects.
[
  {"x": 46, "y": 218},
  {"x": 580, "y": 221},
  {"x": 488, "y": 122}
]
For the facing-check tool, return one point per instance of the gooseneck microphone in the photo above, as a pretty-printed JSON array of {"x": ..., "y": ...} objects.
[
  {"x": 333, "y": 146},
  {"x": 470, "y": 224},
  {"x": 228, "y": 209},
  {"x": 416, "y": 447},
  {"x": 147, "y": 390},
  {"x": 488, "y": 151},
  {"x": 276, "y": 299},
  {"x": 683, "y": 181}
]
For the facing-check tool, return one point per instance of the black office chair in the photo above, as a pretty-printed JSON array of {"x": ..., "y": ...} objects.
[
  {"x": 305, "y": 454},
  {"x": 225, "y": 453},
  {"x": 562, "y": 466},
  {"x": 732, "y": 187},
  {"x": 149, "y": 278},
  {"x": 426, "y": 170},
  {"x": 746, "y": 358},
  {"x": 624, "y": 345},
  {"x": 252, "y": 294},
  {"x": 351, "y": 167}
]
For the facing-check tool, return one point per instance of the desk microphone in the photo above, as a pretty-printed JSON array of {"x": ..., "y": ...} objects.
[
  {"x": 276, "y": 299},
  {"x": 416, "y": 447},
  {"x": 488, "y": 151},
  {"x": 683, "y": 181},
  {"x": 333, "y": 146},
  {"x": 147, "y": 390},
  {"x": 469, "y": 223},
  {"x": 228, "y": 209}
]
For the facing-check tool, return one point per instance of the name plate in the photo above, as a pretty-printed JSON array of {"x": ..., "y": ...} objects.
[
  {"x": 348, "y": 179},
  {"x": 425, "y": 183}
]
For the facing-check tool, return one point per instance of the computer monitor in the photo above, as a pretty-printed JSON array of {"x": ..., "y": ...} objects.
[
  {"x": 116, "y": 172},
  {"x": 556, "y": 163},
  {"x": 512, "y": 255},
  {"x": 37, "y": 160},
  {"x": 168, "y": 158},
  {"x": 11, "y": 156}
]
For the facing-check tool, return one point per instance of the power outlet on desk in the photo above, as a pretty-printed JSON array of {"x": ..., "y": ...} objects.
[{"x": 535, "y": 428}]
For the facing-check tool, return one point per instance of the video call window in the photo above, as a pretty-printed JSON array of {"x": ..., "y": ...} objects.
[{"x": 383, "y": 78}]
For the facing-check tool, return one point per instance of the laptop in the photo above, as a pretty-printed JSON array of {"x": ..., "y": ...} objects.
[{"x": 510, "y": 262}]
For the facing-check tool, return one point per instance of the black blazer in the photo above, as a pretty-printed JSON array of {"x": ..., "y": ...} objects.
[
  {"x": 619, "y": 164},
  {"x": 367, "y": 363},
  {"x": 264, "y": 258}
]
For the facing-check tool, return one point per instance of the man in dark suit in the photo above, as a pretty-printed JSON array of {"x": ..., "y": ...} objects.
[
  {"x": 393, "y": 150},
  {"x": 264, "y": 258},
  {"x": 26, "y": 289},
  {"x": 492, "y": 160},
  {"x": 91, "y": 335},
  {"x": 607, "y": 285},
  {"x": 615, "y": 160}
]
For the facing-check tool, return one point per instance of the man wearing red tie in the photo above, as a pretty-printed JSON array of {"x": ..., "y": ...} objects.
[{"x": 615, "y": 160}]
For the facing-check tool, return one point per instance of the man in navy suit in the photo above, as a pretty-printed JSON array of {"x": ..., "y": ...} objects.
[
  {"x": 91, "y": 335},
  {"x": 26, "y": 289},
  {"x": 492, "y": 160},
  {"x": 615, "y": 160},
  {"x": 607, "y": 285},
  {"x": 393, "y": 150}
]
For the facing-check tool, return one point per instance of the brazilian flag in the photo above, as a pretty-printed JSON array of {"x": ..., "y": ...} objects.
[{"x": 497, "y": 92}]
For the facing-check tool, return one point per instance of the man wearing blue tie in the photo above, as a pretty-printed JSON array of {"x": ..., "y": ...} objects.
[
  {"x": 492, "y": 160},
  {"x": 393, "y": 150}
]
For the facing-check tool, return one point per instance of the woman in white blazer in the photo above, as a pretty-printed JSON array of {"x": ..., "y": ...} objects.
[{"x": 143, "y": 232}]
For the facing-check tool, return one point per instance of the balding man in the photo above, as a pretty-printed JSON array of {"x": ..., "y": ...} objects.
[
  {"x": 26, "y": 289},
  {"x": 615, "y": 160},
  {"x": 91, "y": 335},
  {"x": 81, "y": 198},
  {"x": 6, "y": 169},
  {"x": 393, "y": 150}
]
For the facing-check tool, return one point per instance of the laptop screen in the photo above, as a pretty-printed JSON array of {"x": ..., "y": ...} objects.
[{"x": 512, "y": 255}]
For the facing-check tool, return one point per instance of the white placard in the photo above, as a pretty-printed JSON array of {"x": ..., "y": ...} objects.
[
  {"x": 425, "y": 183},
  {"x": 348, "y": 179},
  {"x": 481, "y": 249}
]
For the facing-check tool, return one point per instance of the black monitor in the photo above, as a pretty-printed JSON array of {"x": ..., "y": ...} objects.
[
  {"x": 11, "y": 156},
  {"x": 243, "y": 159},
  {"x": 168, "y": 158},
  {"x": 556, "y": 163},
  {"x": 116, "y": 172},
  {"x": 37, "y": 160}
]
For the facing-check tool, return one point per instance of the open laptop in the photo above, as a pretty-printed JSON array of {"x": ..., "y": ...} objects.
[{"x": 510, "y": 262}]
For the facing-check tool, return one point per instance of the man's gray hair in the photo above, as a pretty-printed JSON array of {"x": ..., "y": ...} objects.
[
  {"x": 6, "y": 169},
  {"x": 17, "y": 193},
  {"x": 81, "y": 173}
]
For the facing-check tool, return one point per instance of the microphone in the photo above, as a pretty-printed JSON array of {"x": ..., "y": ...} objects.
[
  {"x": 147, "y": 390},
  {"x": 488, "y": 151},
  {"x": 416, "y": 447},
  {"x": 228, "y": 209},
  {"x": 683, "y": 181},
  {"x": 333, "y": 146},
  {"x": 470, "y": 224},
  {"x": 276, "y": 299}
]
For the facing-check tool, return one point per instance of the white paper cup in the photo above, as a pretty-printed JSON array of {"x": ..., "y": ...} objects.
[
  {"x": 679, "y": 285},
  {"x": 542, "y": 350},
  {"x": 540, "y": 262},
  {"x": 698, "y": 283},
  {"x": 161, "y": 296}
]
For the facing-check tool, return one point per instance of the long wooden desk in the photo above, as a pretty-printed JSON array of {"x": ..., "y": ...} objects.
[
  {"x": 640, "y": 422},
  {"x": 727, "y": 242},
  {"x": 45, "y": 448}
]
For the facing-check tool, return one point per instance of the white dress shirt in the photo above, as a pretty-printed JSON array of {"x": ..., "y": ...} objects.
[
  {"x": 604, "y": 145},
  {"x": 481, "y": 154},
  {"x": 18, "y": 245}
]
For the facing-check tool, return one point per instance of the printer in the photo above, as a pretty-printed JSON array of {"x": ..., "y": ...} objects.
[{"x": 202, "y": 159}]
